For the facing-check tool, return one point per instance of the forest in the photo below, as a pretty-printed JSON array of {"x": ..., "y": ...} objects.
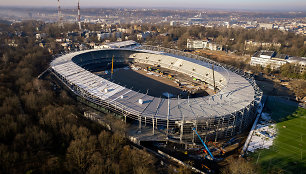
[{"x": 42, "y": 129}]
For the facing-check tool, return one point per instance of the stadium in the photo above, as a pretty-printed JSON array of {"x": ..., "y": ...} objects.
[{"x": 227, "y": 112}]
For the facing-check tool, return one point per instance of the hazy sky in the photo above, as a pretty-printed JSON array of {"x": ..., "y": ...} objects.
[{"x": 218, "y": 4}]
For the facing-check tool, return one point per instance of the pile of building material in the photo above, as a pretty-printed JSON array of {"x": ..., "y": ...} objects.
[{"x": 135, "y": 68}]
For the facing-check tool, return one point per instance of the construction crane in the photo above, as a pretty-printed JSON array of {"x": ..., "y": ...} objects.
[
  {"x": 210, "y": 154},
  {"x": 112, "y": 70}
]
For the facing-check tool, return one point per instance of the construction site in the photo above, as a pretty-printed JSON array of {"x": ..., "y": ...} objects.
[
  {"x": 177, "y": 97},
  {"x": 164, "y": 83}
]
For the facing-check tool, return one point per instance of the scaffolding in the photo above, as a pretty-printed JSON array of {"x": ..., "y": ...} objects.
[{"x": 227, "y": 113}]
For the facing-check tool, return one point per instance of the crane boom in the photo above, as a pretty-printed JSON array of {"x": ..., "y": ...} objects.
[
  {"x": 112, "y": 70},
  {"x": 194, "y": 129}
]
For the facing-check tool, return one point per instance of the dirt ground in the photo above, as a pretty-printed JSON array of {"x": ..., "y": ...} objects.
[
  {"x": 182, "y": 78},
  {"x": 157, "y": 84},
  {"x": 224, "y": 56}
]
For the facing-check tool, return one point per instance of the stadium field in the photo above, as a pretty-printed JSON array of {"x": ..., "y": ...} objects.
[{"x": 288, "y": 153}]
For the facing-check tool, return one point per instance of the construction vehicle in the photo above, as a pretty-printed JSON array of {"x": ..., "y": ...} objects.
[{"x": 217, "y": 148}]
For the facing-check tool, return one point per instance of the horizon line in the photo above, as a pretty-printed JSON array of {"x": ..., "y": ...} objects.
[{"x": 164, "y": 8}]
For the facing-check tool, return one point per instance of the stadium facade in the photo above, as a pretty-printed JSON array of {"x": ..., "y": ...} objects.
[{"x": 227, "y": 113}]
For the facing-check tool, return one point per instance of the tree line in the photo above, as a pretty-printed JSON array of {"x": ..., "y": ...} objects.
[
  {"x": 232, "y": 39},
  {"x": 42, "y": 130}
]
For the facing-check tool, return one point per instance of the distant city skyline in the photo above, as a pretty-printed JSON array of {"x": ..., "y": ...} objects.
[{"x": 273, "y": 5}]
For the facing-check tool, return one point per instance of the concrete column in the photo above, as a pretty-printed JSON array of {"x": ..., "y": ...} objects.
[
  {"x": 241, "y": 120},
  {"x": 234, "y": 124},
  {"x": 193, "y": 135},
  {"x": 139, "y": 121},
  {"x": 153, "y": 125},
  {"x": 124, "y": 115},
  {"x": 216, "y": 137},
  {"x": 156, "y": 124},
  {"x": 167, "y": 133},
  {"x": 168, "y": 113},
  {"x": 206, "y": 130},
  {"x": 182, "y": 130}
]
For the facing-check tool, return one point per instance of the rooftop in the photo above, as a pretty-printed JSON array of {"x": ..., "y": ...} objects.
[
  {"x": 121, "y": 44},
  {"x": 236, "y": 94},
  {"x": 281, "y": 56},
  {"x": 300, "y": 60}
]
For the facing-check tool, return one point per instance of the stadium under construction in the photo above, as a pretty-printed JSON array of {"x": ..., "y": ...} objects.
[{"x": 228, "y": 112}]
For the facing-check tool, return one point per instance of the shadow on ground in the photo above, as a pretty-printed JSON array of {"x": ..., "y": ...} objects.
[
  {"x": 272, "y": 88},
  {"x": 279, "y": 108},
  {"x": 287, "y": 155}
]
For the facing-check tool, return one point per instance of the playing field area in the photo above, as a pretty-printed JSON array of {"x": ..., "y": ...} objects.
[{"x": 288, "y": 153}]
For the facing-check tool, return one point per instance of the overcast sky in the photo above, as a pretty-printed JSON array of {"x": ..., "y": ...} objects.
[{"x": 205, "y": 4}]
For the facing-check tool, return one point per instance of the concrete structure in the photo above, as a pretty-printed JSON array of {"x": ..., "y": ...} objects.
[
  {"x": 225, "y": 114},
  {"x": 264, "y": 58},
  {"x": 300, "y": 61},
  {"x": 124, "y": 44}
]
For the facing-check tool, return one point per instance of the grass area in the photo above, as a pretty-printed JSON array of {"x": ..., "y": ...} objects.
[
  {"x": 288, "y": 153},
  {"x": 279, "y": 109}
]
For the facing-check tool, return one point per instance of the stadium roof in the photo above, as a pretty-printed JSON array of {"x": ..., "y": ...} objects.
[{"x": 236, "y": 94}]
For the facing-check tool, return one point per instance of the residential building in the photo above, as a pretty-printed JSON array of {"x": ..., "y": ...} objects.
[
  {"x": 203, "y": 44},
  {"x": 173, "y": 23},
  {"x": 197, "y": 44},
  {"x": 125, "y": 30},
  {"x": 144, "y": 35},
  {"x": 266, "y": 26},
  {"x": 249, "y": 44}
]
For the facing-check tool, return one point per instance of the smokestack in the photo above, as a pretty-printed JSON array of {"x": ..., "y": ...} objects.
[
  {"x": 79, "y": 15},
  {"x": 60, "y": 18}
]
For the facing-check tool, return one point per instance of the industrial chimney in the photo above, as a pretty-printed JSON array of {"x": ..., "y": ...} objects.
[
  {"x": 60, "y": 18},
  {"x": 79, "y": 15}
]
